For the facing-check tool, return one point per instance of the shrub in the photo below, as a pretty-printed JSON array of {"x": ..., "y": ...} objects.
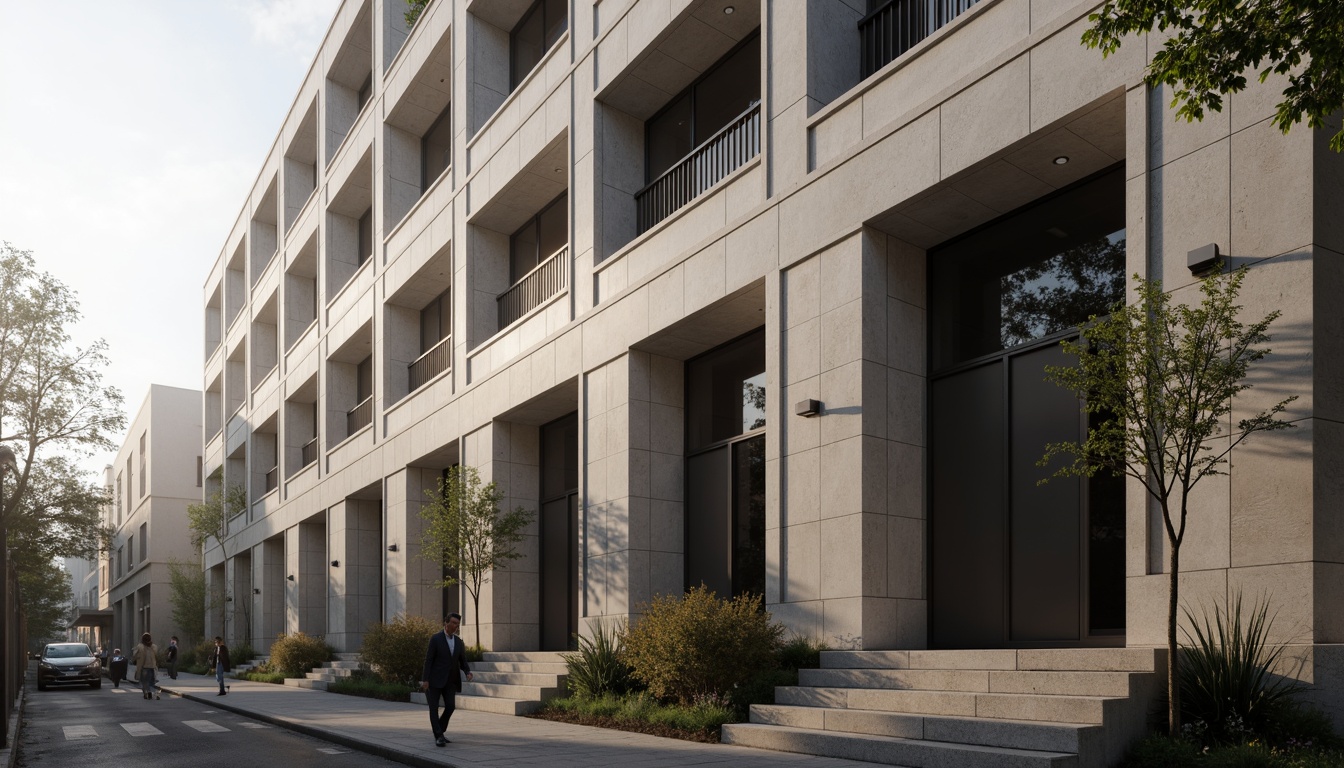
[
  {"x": 696, "y": 646},
  {"x": 241, "y": 654},
  {"x": 800, "y": 653},
  {"x": 475, "y": 653},
  {"x": 370, "y": 686},
  {"x": 396, "y": 650},
  {"x": 259, "y": 676},
  {"x": 1227, "y": 689},
  {"x": 1162, "y": 752},
  {"x": 599, "y": 666},
  {"x": 298, "y": 653}
]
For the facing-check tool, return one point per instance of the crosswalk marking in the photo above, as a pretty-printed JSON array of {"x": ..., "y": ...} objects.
[
  {"x": 141, "y": 729},
  {"x": 331, "y": 751},
  {"x": 73, "y": 732},
  {"x": 254, "y": 725},
  {"x": 205, "y": 726},
  {"x": 119, "y": 690}
]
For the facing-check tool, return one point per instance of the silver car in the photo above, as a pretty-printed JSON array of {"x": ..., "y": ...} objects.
[{"x": 68, "y": 663}]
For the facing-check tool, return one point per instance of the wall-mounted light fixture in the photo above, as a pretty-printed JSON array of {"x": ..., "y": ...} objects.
[
  {"x": 391, "y": 547},
  {"x": 228, "y": 599},
  {"x": 256, "y": 591},
  {"x": 290, "y": 577},
  {"x": 1203, "y": 259},
  {"x": 335, "y": 563},
  {"x": 808, "y": 408}
]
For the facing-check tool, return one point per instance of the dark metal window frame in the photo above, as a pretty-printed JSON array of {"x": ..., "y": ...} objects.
[
  {"x": 691, "y": 90},
  {"x": 538, "y": 6},
  {"x": 535, "y": 223},
  {"x": 425, "y": 180}
]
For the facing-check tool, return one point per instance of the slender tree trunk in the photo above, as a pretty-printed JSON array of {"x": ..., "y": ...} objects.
[{"x": 1173, "y": 660}]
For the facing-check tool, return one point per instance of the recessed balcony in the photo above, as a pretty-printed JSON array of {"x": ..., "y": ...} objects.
[
  {"x": 544, "y": 281},
  {"x": 432, "y": 363},
  {"x": 896, "y": 26}
]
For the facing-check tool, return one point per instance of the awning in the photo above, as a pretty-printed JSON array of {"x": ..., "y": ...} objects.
[{"x": 91, "y": 617}]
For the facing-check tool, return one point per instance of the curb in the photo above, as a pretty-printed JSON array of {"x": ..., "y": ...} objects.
[
  {"x": 377, "y": 750},
  {"x": 10, "y": 754}
]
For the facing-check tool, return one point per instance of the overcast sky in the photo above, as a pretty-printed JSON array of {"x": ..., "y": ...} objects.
[{"x": 130, "y": 134}]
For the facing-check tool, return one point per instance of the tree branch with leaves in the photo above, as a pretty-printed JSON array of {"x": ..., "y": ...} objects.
[
  {"x": 210, "y": 520},
  {"x": 1162, "y": 379},
  {"x": 466, "y": 533}
]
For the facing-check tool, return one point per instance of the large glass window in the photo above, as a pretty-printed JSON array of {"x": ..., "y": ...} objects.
[
  {"x": 539, "y": 238},
  {"x": 539, "y": 29},
  {"x": 364, "y": 380},
  {"x": 435, "y": 321},
  {"x": 1039, "y": 272},
  {"x": 436, "y": 148},
  {"x": 727, "y": 90},
  {"x": 725, "y": 468}
]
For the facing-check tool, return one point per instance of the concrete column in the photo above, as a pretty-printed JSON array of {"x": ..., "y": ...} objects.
[
  {"x": 411, "y": 581},
  {"x": 850, "y": 522},
  {"x": 268, "y": 574},
  {"x": 310, "y": 574},
  {"x": 632, "y": 528},
  {"x": 355, "y": 540},
  {"x": 239, "y": 608},
  {"x": 508, "y": 455},
  {"x": 214, "y": 613}
]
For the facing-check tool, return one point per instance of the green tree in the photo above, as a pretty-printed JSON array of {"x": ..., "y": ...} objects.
[
  {"x": 210, "y": 520},
  {"x": 467, "y": 535},
  {"x": 189, "y": 598},
  {"x": 413, "y": 10},
  {"x": 53, "y": 409},
  {"x": 1213, "y": 44},
  {"x": 46, "y": 601},
  {"x": 1161, "y": 380}
]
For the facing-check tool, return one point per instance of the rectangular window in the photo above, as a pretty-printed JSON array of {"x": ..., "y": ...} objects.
[
  {"x": 119, "y": 566},
  {"x": 364, "y": 383},
  {"x": 435, "y": 320},
  {"x": 118, "y": 497},
  {"x": 200, "y": 471},
  {"x": 130, "y": 479},
  {"x": 130, "y": 552},
  {"x": 539, "y": 238},
  {"x": 539, "y": 29},
  {"x": 144, "y": 462},
  {"x": 366, "y": 236},
  {"x": 144, "y": 542},
  {"x": 436, "y": 149}
]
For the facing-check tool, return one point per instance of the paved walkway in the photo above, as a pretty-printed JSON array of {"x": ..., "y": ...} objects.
[{"x": 401, "y": 732}]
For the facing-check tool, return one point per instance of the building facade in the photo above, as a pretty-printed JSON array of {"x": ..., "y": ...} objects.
[
  {"x": 156, "y": 475},
  {"x": 756, "y": 295}
]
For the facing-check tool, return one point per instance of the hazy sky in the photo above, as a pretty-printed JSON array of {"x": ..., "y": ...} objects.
[{"x": 130, "y": 134}]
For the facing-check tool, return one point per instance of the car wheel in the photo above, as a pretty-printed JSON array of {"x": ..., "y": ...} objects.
[
  {"x": 96, "y": 684},
  {"x": 41, "y": 686}
]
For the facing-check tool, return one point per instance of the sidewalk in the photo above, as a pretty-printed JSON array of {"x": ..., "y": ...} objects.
[{"x": 401, "y": 732}]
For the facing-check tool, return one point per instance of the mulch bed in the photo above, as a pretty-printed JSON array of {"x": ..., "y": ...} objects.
[{"x": 623, "y": 724}]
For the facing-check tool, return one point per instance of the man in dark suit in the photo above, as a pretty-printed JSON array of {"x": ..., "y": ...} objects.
[{"x": 445, "y": 660}]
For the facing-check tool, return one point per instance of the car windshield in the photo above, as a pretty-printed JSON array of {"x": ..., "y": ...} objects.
[{"x": 68, "y": 651}]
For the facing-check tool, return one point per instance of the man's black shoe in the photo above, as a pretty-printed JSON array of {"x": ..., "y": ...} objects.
[
  {"x": 440, "y": 741},
  {"x": 221, "y": 693}
]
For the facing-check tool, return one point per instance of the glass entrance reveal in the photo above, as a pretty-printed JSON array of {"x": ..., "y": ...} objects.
[
  {"x": 1014, "y": 562},
  {"x": 725, "y": 468}
]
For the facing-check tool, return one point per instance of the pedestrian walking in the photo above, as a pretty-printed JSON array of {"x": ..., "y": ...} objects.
[
  {"x": 146, "y": 657},
  {"x": 172, "y": 657},
  {"x": 116, "y": 667},
  {"x": 445, "y": 661},
  {"x": 220, "y": 661}
]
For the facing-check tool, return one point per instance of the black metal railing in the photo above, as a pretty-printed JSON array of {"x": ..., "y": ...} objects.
[
  {"x": 359, "y": 417},
  {"x": 706, "y": 165},
  {"x": 272, "y": 479},
  {"x": 896, "y": 26},
  {"x": 432, "y": 363},
  {"x": 308, "y": 453},
  {"x": 544, "y": 281}
]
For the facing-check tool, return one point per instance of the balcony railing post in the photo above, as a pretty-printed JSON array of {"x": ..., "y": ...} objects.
[
  {"x": 706, "y": 165},
  {"x": 544, "y": 281},
  {"x": 899, "y": 25},
  {"x": 359, "y": 417}
]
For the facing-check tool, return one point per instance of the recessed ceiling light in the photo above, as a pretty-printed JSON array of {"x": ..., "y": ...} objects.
[
  {"x": 728, "y": 9},
  {"x": 1062, "y": 160}
]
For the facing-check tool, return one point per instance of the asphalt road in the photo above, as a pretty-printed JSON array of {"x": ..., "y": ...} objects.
[{"x": 77, "y": 725}]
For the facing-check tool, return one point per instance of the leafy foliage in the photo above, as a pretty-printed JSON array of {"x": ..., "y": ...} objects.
[
  {"x": 1160, "y": 380},
  {"x": 188, "y": 597},
  {"x": 368, "y": 685},
  {"x": 702, "y": 718},
  {"x": 45, "y": 587},
  {"x": 53, "y": 408},
  {"x": 599, "y": 666},
  {"x": 1213, "y": 44},
  {"x": 1050, "y": 295},
  {"x": 465, "y": 532},
  {"x": 210, "y": 518},
  {"x": 297, "y": 654},
  {"x": 413, "y": 10},
  {"x": 396, "y": 650},
  {"x": 687, "y": 648},
  {"x": 1226, "y": 679}
]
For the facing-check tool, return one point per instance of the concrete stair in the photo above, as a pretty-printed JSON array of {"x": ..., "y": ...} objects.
[
  {"x": 1061, "y": 708},
  {"x": 345, "y": 665},
  {"x": 251, "y": 664},
  {"x": 511, "y": 683}
]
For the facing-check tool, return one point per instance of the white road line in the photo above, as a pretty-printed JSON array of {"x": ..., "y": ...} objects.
[
  {"x": 73, "y": 732},
  {"x": 332, "y": 751},
  {"x": 254, "y": 725},
  {"x": 205, "y": 726},
  {"x": 119, "y": 690},
  {"x": 141, "y": 729}
]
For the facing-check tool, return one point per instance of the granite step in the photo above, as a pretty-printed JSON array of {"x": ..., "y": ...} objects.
[{"x": 890, "y": 750}]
